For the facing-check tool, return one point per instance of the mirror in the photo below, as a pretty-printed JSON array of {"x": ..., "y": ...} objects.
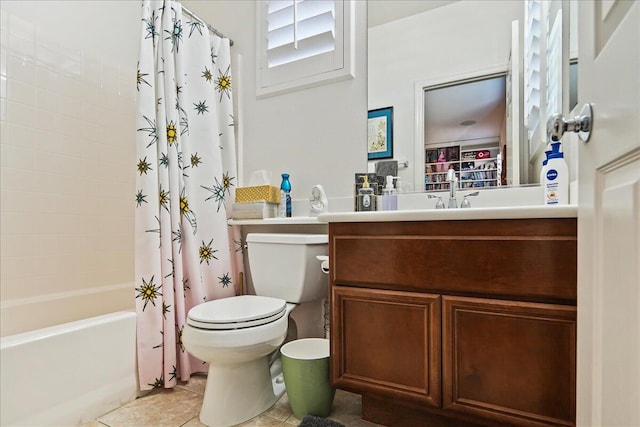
[{"x": 415, "y": 45}]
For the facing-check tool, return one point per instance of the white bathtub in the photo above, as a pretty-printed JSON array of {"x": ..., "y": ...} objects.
[{"x": 68, "y": 374}]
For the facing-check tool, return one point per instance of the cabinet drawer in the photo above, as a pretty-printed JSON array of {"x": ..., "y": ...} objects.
[
  {"x": 386, "y": 342},
  {"x": 534, "y": 260},
  {"x": 510, "y": 362}
]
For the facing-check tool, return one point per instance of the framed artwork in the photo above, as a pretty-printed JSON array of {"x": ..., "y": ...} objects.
[{"x": 380, "y": 134}]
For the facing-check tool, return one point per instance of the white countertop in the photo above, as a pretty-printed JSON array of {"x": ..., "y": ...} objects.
[
  {"x": 517, "y": 212},
  {"x": 308, "y": 220}
]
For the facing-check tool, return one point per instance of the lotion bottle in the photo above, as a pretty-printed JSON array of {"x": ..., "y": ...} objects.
[
  {"x": 543, "y": 171},
  {"x": 366, "y": 199},
  {"x": 556, "y": 178}
]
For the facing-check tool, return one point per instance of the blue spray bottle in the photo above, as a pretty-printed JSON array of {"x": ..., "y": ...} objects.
[{"x": 285, "y": 196}]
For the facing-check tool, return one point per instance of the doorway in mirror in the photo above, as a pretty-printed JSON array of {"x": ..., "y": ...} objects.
[{"x": 464, "y": 130}]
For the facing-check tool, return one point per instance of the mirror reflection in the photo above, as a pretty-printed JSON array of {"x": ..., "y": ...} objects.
[
  {"x": 464, "y": 129},
  {"x": 422, "y": 56}
]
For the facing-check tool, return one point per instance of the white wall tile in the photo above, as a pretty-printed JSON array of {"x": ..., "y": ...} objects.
[
  {"x": 4, "y": 29},
  {"x": 22, "y": 28},
  {"x": 67, "y": 149},
  {"x": 20, "y": 136},
  {"x": 3, "y": 86},
  {"x": 47, "y": 57},
  {"x": 20, "y": 114},
  {"x": 3, "y": 61},
  {"x": 48, "y": 223},
  {"x": 16, "y": 223},
  {"x": 18, "y": 157},
  {"x": 46, "y": 140},
  {"x": 91, "y": 70},
  {"x": 45, "y": 203},
  {"x": 20, "y": 180},
  {"x": 18, "y": 201},
  {"x": 12, "y": 245},
  {"x": 46, "y": 120},
  {"x": 17, "y": 91},
  {"x": 22, "y": 47},
  {"x": 48, "y": 100},
  {"x": 47, "y": 79},
  {"x": 69, "y": 106},
  {"x": 21, "y": 69}
]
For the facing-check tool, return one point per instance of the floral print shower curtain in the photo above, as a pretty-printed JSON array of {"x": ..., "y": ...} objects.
[{"x": 186, "y": 253}]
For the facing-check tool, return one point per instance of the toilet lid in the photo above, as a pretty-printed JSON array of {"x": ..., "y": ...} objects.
[{"x": 243, "y": 311}]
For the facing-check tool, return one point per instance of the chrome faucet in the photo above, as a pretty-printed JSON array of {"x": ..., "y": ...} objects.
[
  {"x": 465, "y": 201},
  {"x": 452, "y": 179}
]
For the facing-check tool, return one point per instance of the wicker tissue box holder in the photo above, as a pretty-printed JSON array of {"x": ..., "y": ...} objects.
[{"x": 259, "y": 193}]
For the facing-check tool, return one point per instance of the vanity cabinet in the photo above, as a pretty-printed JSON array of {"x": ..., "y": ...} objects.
[
  {"x": 459, "y": 323},
  {"x": 390, "y": 342}
]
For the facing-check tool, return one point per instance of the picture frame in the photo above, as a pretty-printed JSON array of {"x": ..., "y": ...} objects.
[{"x": 380, "y": 133}]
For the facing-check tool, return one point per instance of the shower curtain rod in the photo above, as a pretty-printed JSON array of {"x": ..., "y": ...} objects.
[{"x": 213, "y": 30}]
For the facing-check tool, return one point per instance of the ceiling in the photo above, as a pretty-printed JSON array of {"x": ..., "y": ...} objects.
[
  {"x": 480, "y": 101},
  {"x": 445, "y": 108}
]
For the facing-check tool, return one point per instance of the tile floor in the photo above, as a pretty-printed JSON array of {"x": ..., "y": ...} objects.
[{"x": 180, "y": 406}]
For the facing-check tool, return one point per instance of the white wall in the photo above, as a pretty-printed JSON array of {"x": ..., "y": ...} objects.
[
  {"x": 67, "y": 160},
  {"x": 317, "y": 135},
  {"x": 436, "y": 46}
]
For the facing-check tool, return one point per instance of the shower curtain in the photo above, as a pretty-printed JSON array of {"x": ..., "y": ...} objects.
[{"x": 185, "y": 252}]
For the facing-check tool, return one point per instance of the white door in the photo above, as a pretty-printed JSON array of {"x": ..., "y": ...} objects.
[{"x": 608, "y": 377}]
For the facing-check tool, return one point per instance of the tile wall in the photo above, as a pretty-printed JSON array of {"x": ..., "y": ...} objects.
[{"x": 67, "y": 171}]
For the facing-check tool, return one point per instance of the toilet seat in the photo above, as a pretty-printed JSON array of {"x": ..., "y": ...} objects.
[{"x": 240, "y": 312}]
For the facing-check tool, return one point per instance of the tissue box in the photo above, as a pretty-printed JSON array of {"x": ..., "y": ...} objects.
[
  {"x": 254, "y": 210},
  {"x": 259, "y": 193}
]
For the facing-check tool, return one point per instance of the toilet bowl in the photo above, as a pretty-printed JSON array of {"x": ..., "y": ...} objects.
[{"x": 239, "y": 336}]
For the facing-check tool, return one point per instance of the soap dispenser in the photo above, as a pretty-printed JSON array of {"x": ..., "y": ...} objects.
[
  {"x": 389, "y": 196},
  {"x": 366, "y": 198}
]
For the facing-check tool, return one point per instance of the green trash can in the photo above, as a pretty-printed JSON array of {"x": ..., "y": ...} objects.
[{"x": 305, "y": 365}]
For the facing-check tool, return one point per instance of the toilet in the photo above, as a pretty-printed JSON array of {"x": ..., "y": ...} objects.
[{"x": 239, "y": 336}]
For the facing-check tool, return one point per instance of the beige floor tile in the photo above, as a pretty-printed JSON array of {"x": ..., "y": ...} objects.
[
  {"x": 196, "y": 383},
  {"x": 292, "y": 421},
  {"x": 347, "y": 410},
  {"x": 194, "y": 422},
  {"x": 179, "y": 407},
  {"x": 281, "y": 410},
  {"x": 262, "y": 421},
  {"x": 167, "y": 408}
]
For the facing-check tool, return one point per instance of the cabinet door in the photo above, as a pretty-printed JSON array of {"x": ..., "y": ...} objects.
[
  {"x": 386, "y": 342},
  {"x": 511, "y": 362}
]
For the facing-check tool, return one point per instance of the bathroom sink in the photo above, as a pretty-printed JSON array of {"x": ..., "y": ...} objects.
[
  {"x": 498, "y": 197},
  {"x": 500, "y": 203}
]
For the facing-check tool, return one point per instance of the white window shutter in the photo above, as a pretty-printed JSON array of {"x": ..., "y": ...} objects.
[
  {"x": 532, "y": 70},
  {"x": 303, "y": 43}
]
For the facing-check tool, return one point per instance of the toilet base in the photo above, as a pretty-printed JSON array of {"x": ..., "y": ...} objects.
[{"x": 237, "y": 393}]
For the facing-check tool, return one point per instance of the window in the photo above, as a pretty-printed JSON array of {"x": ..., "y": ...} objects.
[{"x": 303, "y": 43}]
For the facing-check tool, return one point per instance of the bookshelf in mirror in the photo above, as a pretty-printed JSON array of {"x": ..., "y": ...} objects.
[{"x": 476, "y": 166}]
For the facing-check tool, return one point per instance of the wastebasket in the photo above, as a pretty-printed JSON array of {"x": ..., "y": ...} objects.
[{"x": 305, "y": 365}]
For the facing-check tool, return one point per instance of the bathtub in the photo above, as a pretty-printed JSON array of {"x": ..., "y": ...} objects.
[{"x": 68, "y": 374}]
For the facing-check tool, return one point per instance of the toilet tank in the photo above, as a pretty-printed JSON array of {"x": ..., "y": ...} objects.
[{"x": 285, "y": 265}]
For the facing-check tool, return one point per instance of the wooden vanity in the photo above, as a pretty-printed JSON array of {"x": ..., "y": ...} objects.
[{"x": 456, "y": 322}]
